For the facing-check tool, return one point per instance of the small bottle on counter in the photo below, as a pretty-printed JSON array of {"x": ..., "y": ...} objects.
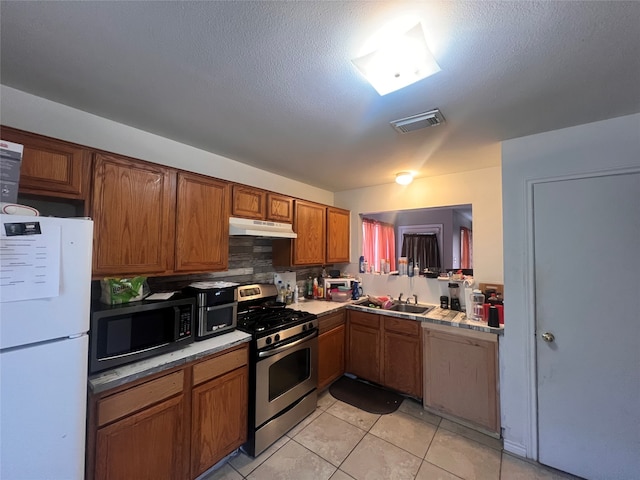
[
  {"x": 281, "y": 292},
  {"x": 288, "y": 299},
  {"x": 315, "y": 289},
  {"x": 309, "y": 288},
  {"x": 477, "y": 299},
  {"x": 295, "y": 294}
]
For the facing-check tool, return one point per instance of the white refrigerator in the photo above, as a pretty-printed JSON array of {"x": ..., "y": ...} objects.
[{"x": 45, "y": 290}]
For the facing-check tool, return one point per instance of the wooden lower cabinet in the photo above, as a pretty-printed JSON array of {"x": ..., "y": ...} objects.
[
  {"x": 147, "y": 445},
  {"x": 402, "y": 346},
  {"x": 460, "y": 376},
  {"x": 385, "y": 350},
  {"x": 174, "y": 425},
  {"x": 219, "y": 419},
  {"x": 331, "y": 354},
  {"x": 364, "y": 346}
]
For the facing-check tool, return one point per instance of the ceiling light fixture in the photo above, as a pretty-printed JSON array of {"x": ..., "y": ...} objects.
[
  {"x": 403, "y": 61},
  {"x": 404, "y": 178}
]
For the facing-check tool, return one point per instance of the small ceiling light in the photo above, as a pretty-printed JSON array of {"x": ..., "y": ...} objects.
[
  {"x": 404, "y": 178},
  {"x": 403, "y": 61}
]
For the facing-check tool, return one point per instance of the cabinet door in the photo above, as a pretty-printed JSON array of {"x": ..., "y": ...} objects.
[
  {"x": 219, "y": 419},
  {"x": 403, "y": 363},
  {"x": 147, "y": 445},
  {"x": 309, "y": 223},
  {"x": 133, "y": 211},
  {"x": 279, "y": 208},
  {"x": 337, "y": 235},
  {"x": 460, "y": 377},
  {"x": 51, "y": 167},
  {"x": 248, "y": 202},
  {"x": 363, "y": 358},
  {"x": 202, "y": 224},
  {"x": 330, "y": 356}
]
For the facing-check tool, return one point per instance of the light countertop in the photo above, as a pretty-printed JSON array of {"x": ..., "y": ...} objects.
[
  {"x": 194, "y": 351},
  {"x": 438, "y": 315}
]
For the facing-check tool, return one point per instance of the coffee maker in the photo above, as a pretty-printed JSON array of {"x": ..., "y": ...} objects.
[{"x": 454, "y": 295}]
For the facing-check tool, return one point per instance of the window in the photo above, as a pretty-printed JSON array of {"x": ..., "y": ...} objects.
[{"x": 379, "y": 241}]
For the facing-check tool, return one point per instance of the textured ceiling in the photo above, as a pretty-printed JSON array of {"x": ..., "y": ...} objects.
[{"x": 271, "y": 84}]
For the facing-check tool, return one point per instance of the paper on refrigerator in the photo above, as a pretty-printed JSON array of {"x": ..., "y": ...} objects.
[{"x": 29, "y": 263}]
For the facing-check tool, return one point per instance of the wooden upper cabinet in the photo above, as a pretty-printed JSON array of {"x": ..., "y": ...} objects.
[
  {"x": 51, "y": 167},
  {"x": 309, "y": 223},
  {"x": 248, "y": 202},
  {"x": 133, "y": 209},
  {"x": 202, "y": 224},
  {"x": 338, "y": 222},
  {"x": 279, "y": 208}
]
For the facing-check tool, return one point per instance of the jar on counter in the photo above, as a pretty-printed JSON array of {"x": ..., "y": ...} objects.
[{"x": 477, "y": 299}]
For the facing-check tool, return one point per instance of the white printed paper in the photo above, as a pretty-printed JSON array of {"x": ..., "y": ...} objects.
[{"x": 30, "y": 265}]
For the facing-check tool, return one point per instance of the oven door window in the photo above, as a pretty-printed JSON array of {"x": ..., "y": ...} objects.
[{"x": 289, "y": 372}]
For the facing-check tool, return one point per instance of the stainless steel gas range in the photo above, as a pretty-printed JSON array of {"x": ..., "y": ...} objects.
[{"x": 283, "y": 376}]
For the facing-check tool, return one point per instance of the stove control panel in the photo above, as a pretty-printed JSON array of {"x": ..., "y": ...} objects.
[{"x": 286, "y": 333}]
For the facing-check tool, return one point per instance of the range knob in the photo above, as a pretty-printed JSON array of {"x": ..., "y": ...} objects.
[
  {"x": 304, "y": 328},
  {"x": 268, "y": 340},
  {"x": 310, "y": 327},
  {"x": 277, "y": 337}
]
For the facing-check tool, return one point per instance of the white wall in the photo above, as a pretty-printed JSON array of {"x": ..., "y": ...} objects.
[
  {"x": 36, "y": 114},
  {"x": 480, "y": 188},
  {"x": 610, "y": 145}
]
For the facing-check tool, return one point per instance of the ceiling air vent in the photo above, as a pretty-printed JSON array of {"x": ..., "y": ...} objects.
[{"x": 416, "y": 122}]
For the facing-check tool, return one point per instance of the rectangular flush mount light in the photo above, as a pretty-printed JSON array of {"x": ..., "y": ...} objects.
[{"x": 401, "y": 62}]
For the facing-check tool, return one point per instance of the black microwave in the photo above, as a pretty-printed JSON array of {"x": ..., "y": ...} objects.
[{"x": 121, "y": 334}]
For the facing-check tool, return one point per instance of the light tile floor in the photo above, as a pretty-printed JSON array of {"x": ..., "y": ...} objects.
[{"x": 341, "y": 442}]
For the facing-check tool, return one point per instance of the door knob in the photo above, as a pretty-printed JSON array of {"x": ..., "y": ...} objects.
[{"x": 548, "y": 337}]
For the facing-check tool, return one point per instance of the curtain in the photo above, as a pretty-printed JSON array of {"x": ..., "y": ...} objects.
[
  {"x": 466, "y": 249},
  {"x": 422, "y": 248},
  {"x": 378, "y": 241}
]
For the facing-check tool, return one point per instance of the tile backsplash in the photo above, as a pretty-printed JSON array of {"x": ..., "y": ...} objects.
[{"x": 250, "y": 261}]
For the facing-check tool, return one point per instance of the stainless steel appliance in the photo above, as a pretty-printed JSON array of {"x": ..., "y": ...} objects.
[
  {"x": 121, "y": 334},
  {"x": 217, "y": 307},
  {"x": 283, "y": 376}
]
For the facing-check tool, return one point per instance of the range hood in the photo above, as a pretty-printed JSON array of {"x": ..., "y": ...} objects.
[{"x": 260, "y": 228}]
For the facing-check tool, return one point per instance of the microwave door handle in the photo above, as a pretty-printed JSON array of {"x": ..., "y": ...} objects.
[{"x": 275, "y": 351}]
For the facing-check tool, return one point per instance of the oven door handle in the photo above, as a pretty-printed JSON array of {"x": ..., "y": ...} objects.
[{"x": 275, "y": 351}]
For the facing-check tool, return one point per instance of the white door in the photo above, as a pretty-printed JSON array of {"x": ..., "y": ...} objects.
[
  {"x": 587, "y": 271},
  {"x": 43, "y": 398}
]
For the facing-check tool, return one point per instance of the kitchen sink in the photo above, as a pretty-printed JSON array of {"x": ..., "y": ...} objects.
[{"x": 408, "y": 308}]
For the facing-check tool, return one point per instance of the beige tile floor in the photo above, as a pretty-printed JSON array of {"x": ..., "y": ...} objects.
[{"x": 341, "y": 442}]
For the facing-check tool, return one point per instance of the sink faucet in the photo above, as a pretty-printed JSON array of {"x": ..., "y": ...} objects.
[
  {"x": 415, "y": 299},
  {"x": 400, "y": 298}
]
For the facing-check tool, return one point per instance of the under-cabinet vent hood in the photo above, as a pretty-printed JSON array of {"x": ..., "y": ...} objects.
[
  {"x": 417, "y": 122},
  {"x": 260, "y": 228}
]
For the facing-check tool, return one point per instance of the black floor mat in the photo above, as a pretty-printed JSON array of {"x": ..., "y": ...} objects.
[{"x": 366, "y": 397}]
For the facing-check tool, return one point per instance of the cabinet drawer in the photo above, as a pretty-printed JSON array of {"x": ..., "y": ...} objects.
[
  {"x": 219, "y": 365},
  {"x": 330, "y": 321},
  {"x": 363, "y": 318},
  {"x": 398, "y": 325},
  {"x": 136, "y": 398}
]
